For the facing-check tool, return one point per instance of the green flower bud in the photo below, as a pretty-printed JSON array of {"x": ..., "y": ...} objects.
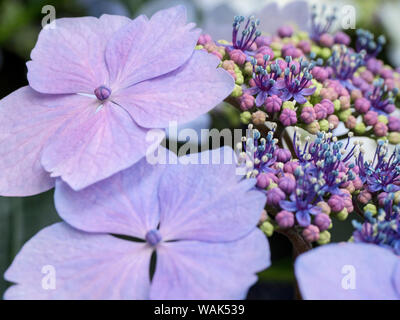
[
  {"x": 337, "y": 105},
  {"x": 276, "y": 46},
  {"x": 394, "y": 137},
  {"x": 383, "y": 119},
  {"x": 396, "y": 199},
  {"x": 313, "y": 127},
  {"x": 288, "y": 105},
  {"x": 277, "y": 53},
  {"x": 198, "y": 47},
  {"x": 324, "y": 125},
  {"x": 248, "y": 68},
  {"x": 324, "y": 237},
  {"x": 342, "y": 215},
  {"x": 267, "y": 228},
  {"x": 316, "y": 49},
  {"x": 271, "y": 185},
  {"x": 223, "y": 41},
  {"x": 325, "y": 53},
  {"x": 302, "y": 35},
  {"x": 343, "y": 115},
  {"x": 245, "y": 117},
  {"x": 371, "y": 208},
  {"x": 239, "y": 78},
  {"x": 360, "y": 128},
  {"x": 237, "y": 91}
]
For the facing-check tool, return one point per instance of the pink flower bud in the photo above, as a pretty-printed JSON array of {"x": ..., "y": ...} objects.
[
  {"x": 334, "y": 120},
  {"x": 362, "y": 105},
  {"x": 351, "y": 122},
  {"x": 204, "y": 38},
  {"x": 329, "y": 106},
  {"x": 288, "y": 117},
  {"x": 380, "y": 129},
  {"x": 246, "y": 102},
  {"x": 322, "y": 221},
  {"x": 275, "y": 195},
  {"x": 282, "y": 155},
  {"x": 238, "y": 56},
  {"x": 326, "y": 40},
  {"x": 308, "y": 115},
  {"x": 336, "y": 203},
  {"x": 364, "y": 197},
  {"x": 394, "y": 123},
  {"x": 290, "y": 166},
  {"x": 342, "y": 38},
  {"x": 356, "y": 94},
  {"x": 311, "y": 233},
  {"x": 285, "y": 219},
  {"x": 305, "y": 46},
  {"x": 371, "y": 118},
  {"x": 273, "y": 104},
  {"x": 287, "y": 184},
  {"x": 285, "y": 31},
  {"x": 320, "y": 111}
]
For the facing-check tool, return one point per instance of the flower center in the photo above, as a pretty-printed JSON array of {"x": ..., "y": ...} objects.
[
  {"x": 153, "y": 237},
  {"x": 102, "y": 93}
]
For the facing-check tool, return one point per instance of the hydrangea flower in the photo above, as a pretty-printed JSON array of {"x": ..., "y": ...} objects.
[
  {"x": 97, "y": 86},
  {"x": 199, "y": 219},
  {"x": 348, "y": 271},
  {"x": 382, "y": 172}
]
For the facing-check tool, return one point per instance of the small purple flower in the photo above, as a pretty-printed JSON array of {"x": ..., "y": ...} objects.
[
  {"x": 344, "y": 63},
  {"x": 383, "y": 172},
  {"x": 320, "y": 273},
  {"x": 381, "y": 99},
  {"x": 366, "y": 42},
  {"x": 249, "y": 34},
  {"x": 303, "y": 200},
  {"x": 200, "y": 220},
  {"x": 297, "y": 78},
  {"x": 265, "y": 82},
  {"x": 97, "y": 87},
  {"x": 342, "y": 38}
]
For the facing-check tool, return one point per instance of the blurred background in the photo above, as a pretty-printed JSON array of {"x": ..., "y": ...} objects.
[{"x": 20, "y": 23}]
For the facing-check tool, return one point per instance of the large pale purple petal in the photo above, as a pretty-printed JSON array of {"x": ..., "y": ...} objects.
[
  {"x": 126, "y": 203},
  {"x": 27, "y": 121},
  {"x": 200, "y": 270},
  {"x": 181, "y": 95},
  {"x": 146, "y": 49},
  {"x": 94, "y": 145},
  {"x": 347, "y": 271},
  {"x": 84, "y": 266},
  {"x": 70, "y": 57},
  {"x": 207, "y": 201}
]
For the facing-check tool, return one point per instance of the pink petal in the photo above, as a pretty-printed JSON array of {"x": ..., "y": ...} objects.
[
  {"x": 94, "y": 145},
  {"x": 181, "y": 95},
  {"x": 207, "y": 201},
  {"x": 146, "y": 49},
  {"x": 70, "y": 57},
  {"x": 27, "y": 121},
  {"x": 126, "y": 203},
  {"x": 87, "y": 266},
  {"x": 201, "y": 270}
]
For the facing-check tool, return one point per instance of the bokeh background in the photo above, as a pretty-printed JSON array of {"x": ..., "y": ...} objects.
[{"x": 20, "y": 23}]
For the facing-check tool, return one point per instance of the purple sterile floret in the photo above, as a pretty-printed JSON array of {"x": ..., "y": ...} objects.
[
  {"x": 348, "y": 271},
  {"x": 200, "y": 245},
  {"x": 97, "y": 87}
]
